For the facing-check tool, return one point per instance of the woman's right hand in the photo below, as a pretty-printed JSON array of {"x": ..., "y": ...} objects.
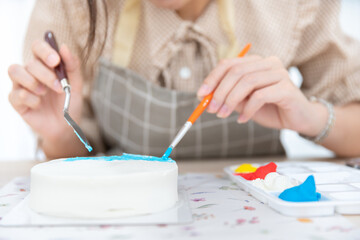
[{"x": 38, "y": 96}]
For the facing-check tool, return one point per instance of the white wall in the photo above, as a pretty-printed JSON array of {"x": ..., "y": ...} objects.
[
  {"x": 16, "y": 139},
  {"x": 296, "y": 146}
]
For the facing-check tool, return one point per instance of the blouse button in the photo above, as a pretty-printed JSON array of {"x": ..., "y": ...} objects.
[{"x": 185, "y": 73}]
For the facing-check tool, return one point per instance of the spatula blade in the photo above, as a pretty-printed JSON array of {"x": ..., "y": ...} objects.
[{"x": 77, "y": 131}]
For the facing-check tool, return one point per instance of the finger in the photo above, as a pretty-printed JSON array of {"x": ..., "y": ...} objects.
[
  {"x": 240, "y": 107},
  {"x": 45, "y": 53},
  {"x": 271, "y": 94},
  {"x": 73, "y": 68},
  {"x": 20, "y": 76},
  {"x": 276, "y": 62},
  {"x": 20, "y": 108},
  {"x": 215, "y": 76},
  {"x": 43, "y": 74},
  {"x": 233, "y": 76},
  {"x": 246, "y": 86},
  {"x": 22, "y": 100}
]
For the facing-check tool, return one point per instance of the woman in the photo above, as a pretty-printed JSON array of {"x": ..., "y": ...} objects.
[{"x": 154, "y": 56}]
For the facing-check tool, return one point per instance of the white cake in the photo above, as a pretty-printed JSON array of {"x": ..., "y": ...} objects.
[{"x": 104, "y": 187}]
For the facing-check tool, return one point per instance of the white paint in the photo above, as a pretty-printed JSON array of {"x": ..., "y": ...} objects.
[{"x": 274, "y": 182}]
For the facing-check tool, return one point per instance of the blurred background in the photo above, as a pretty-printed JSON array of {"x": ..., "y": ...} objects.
[{"x": 17, "y": 142}]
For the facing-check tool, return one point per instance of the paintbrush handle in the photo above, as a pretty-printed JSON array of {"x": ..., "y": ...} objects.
[
  {"x": 206, "y": 100},
  {"x": 59, "y": 69},
  {"x": 200, "y": 108}
]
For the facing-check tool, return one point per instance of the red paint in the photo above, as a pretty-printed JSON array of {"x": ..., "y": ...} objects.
[
  {"x": 254, "y": 220},
  {"x": 198, "y": 199},
  {"x": 261, "y": 172},
  {"x": 249, "y": 208},
  {"x": 240, "y": 221}
]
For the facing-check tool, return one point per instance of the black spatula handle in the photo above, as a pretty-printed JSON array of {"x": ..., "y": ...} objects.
[{"x": 59, "y": 69}]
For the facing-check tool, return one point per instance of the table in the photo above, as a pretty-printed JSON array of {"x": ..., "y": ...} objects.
[{"x": 10, "y": 170}]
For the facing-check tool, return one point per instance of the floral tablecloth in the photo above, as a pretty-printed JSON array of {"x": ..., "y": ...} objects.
[{"x": 220, "y": 211}]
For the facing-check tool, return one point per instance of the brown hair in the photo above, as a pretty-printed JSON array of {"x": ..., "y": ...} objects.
[{"x": 93, "y": 10}]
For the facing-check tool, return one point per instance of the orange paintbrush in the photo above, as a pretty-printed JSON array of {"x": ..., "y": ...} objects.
[{"x": 196, "y": 114}]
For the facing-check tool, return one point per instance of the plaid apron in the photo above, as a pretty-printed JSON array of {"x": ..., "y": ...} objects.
[{"x": 137, "y": 116}]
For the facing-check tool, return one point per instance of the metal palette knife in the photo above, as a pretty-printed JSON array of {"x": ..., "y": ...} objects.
[{"x": 62, "y": 76}]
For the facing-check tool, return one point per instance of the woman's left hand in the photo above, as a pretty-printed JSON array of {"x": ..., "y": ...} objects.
[{"x": 260, "y": 89}]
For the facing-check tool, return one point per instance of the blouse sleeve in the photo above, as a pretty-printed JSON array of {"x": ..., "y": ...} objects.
[
  {"x": 68, "y": 20},
  {"x": 328, "y": 59}
]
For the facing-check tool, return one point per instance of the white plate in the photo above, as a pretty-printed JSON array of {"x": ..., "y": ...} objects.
[{"x": 22, "y": 216}]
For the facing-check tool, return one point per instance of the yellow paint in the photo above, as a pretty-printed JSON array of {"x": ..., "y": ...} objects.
[
  {"x": 304, "y": 220},
  {"x": 245, "y": 168}
]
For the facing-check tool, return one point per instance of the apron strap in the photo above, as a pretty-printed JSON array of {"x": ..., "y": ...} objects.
[
  {"x": 125, "y": 34},
  {"x": 129, "y": 20}
]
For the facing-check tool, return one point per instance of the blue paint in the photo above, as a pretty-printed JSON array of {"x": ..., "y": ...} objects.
[
  {"x": 305, "y": 192},
  {"x": 123, "y": 157},
  {"x": 167, "y": 153},
  {"x": 88, "y": 147}
]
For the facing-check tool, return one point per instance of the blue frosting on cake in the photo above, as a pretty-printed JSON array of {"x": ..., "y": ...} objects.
[{"x": 123, "y": 157}]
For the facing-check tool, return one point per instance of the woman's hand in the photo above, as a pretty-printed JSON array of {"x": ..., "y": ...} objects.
[
  {"x": 38, "y": 96},
  {"x": 260, "y": 89}
]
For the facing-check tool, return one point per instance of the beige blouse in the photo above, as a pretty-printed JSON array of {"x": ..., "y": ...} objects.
[{"x": 179, "y": 54}]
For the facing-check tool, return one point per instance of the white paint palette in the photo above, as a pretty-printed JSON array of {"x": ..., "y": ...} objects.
[{"x": 338, "y": 185}]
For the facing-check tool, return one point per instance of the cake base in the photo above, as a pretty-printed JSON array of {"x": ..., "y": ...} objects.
[{"x": 104, "y": 187}]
